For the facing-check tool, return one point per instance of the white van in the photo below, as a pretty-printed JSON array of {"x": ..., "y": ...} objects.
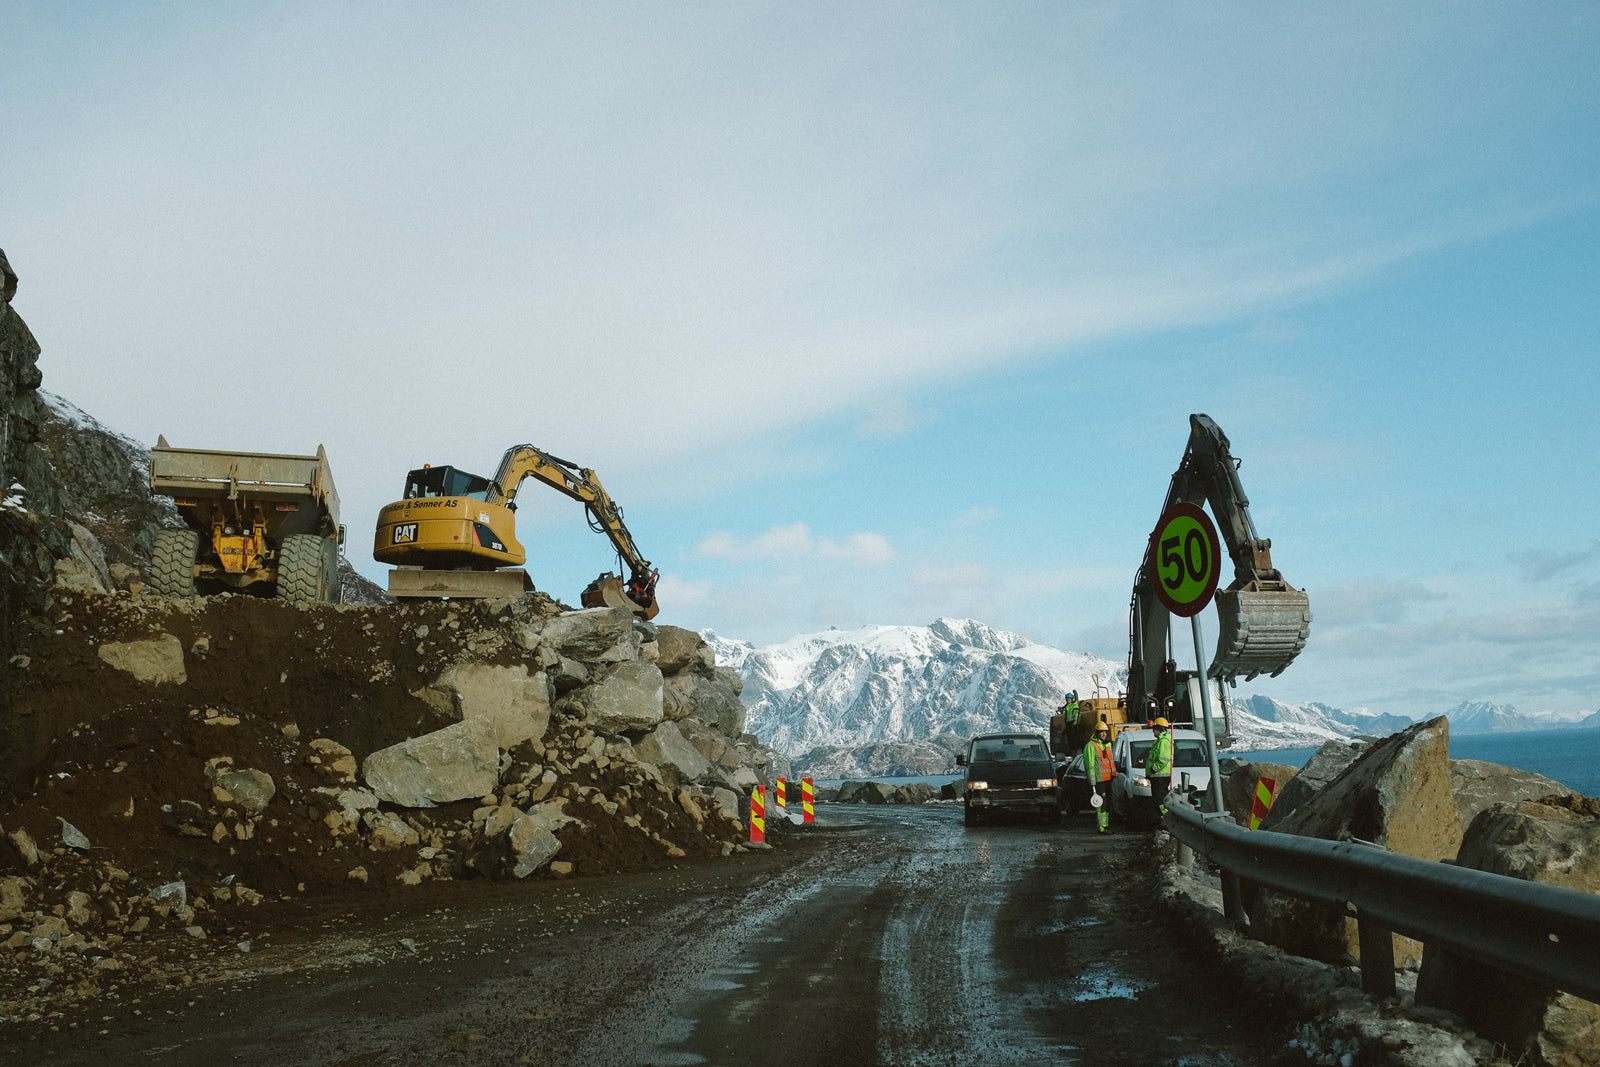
[{"x": 1130, "y": 789}]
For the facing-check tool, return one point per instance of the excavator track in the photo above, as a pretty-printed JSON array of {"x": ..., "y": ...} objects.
[{"x": 1261, "y": 631}]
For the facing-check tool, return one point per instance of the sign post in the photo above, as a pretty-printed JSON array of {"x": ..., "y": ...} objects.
[{"x": 1185, "y": 564}]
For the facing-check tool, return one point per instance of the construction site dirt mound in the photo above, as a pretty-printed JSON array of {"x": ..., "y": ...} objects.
[{"x": 184, "y": 776}]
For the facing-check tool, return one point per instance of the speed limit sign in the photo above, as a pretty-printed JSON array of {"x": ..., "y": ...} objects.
[{"x": 1184, "y": 559}]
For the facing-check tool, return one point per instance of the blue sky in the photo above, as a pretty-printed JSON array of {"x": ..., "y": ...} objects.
[{"x": 873, "y": 315}]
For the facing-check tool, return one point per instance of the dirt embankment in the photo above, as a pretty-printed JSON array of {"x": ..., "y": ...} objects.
[{"x": 184, "y": 776}]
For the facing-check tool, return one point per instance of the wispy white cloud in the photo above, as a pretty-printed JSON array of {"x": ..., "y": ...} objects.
[
  {"x": 1536, "y": 565},
  {"x": 893, "y": 418},
  {"x": 975, "y": 516},
  {"x": 796, "y": 542},
  {"x": 1367, "y": 600}
]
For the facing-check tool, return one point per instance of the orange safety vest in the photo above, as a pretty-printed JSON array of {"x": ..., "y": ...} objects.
[{"x": 1102, "y": 754}]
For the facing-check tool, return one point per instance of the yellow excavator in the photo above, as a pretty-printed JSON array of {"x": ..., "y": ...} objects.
[
  {"x": 454, "y": 533},
  {"x": 1264, "y": 621}
]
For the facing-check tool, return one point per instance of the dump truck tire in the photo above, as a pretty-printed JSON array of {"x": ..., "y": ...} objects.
[
  {"x": 303, "y": 569},
  {"x": 172, "y": 562}
]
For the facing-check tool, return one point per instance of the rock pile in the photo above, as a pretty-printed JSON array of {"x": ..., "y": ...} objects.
[
  {"x": 1554, "y": 840},
  {"x": 878, "y": 793},
  {"x": 179, "y": 767},
  {"x": 1397, "y": 794},
  {"x": 1405, "y": 794}
]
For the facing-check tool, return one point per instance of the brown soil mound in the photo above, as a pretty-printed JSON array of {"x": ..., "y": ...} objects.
[{"x": 302, "y": 693}]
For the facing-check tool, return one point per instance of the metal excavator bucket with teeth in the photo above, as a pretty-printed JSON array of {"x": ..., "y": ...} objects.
[
  {"x": 1261, "y": 631},
  {"x": 609, "y": 591}
]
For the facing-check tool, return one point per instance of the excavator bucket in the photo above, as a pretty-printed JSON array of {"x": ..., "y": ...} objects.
[
  {"x": 610, "y": 591},
  {"x": 1261, "y": 631}
]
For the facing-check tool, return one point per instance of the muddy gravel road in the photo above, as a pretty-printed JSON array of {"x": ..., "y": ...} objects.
[{"x": 884, "y": 935}]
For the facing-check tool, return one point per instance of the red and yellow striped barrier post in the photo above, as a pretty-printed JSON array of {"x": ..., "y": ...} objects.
[
  {"x": 758, "y": 815},
  {"x": 808, "y": 801},
  {"x": 781, "y": 795},
  {"x": 1266, "y": 792}
]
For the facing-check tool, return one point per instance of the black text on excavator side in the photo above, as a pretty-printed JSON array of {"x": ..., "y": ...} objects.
[
  {"x": 1264, "y": 622},
  {"x": 454, "y": 533}
]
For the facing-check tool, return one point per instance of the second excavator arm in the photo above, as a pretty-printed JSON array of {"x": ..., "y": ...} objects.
[
  {"x": 1264, "y": 621},
  {"x": 605, "y": 514}
]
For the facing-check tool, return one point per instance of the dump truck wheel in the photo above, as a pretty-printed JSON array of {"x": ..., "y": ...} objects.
[
  {"x": 302, "y": 569},
  {"x": 172, "y": 562}
]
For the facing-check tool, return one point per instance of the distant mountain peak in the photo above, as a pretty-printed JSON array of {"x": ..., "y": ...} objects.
[{"x": 904, "y": 683}]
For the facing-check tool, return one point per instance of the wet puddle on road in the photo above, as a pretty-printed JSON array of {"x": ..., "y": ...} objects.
[
  {"x": 1103, "y": 983},
  {"x": 721, "y": 979}
]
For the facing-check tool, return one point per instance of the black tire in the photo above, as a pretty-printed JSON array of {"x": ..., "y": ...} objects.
[
  {"x": 172, "y": 562},
  {"x": 303, "y": 569},
  {"x": 968, "y": 816}
]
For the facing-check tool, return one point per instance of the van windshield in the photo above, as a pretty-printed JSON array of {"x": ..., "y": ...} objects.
[{"x": 1006, "y": 749}]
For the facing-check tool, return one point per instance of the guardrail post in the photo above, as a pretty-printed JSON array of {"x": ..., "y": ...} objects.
[
  {"x": 1377, "y": 957},
  {"x": 1233, "y": 898}
]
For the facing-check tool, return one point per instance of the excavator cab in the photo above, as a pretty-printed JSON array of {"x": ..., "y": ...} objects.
[{"x": 429, "y": 481}]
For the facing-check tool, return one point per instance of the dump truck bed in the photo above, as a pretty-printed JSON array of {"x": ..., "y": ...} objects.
[{"x": 305, "y": 482}]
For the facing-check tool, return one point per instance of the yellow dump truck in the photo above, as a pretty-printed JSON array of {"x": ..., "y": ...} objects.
[{"x": 254, "y": 522}]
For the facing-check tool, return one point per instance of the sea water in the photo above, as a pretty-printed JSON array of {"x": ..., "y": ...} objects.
[{"x": 1571, "y": 757}]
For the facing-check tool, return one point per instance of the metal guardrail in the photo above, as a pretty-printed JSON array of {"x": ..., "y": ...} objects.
[{"x": 1542, "y": 932}]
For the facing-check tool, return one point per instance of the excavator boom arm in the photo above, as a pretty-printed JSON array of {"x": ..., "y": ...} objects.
[
  {"x": 579, "y": 483},
  {"x": 1264, "y": 622}
]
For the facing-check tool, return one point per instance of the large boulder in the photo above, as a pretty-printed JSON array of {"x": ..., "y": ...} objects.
[
  {"x": 532, "y": 845},
  {"x": 710, "y": 699},
  {"x": 460, "y": 761},
  {"x": 1555, "y": 845},
  {"x": 1239, "y": 778},
  {"x": 516, "y": 703},
  {"x": 679, "y": 649},
  {"x": 1326, "y": 764},
  {"x": 1479, "y": 785},
  {"x": 1396, "y": 795},
  {"x": 671, "y": 753},
  {"x": 154, "y": 659},
  {"x": 864, "y": 793},
  {"x": 627, "y": 700},
  {"x": 913, "y": 793},
  {"x": 711, "y": 743},
  {"x": 587, "y": 634}
]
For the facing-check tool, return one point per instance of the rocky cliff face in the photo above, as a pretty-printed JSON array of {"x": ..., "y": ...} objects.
[{"x": 19, "y": 377}]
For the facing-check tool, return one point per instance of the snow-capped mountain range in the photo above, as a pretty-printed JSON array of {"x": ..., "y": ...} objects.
[
  {"x": 905, "y": 683},
  {"x": 903, "y": 699}
]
